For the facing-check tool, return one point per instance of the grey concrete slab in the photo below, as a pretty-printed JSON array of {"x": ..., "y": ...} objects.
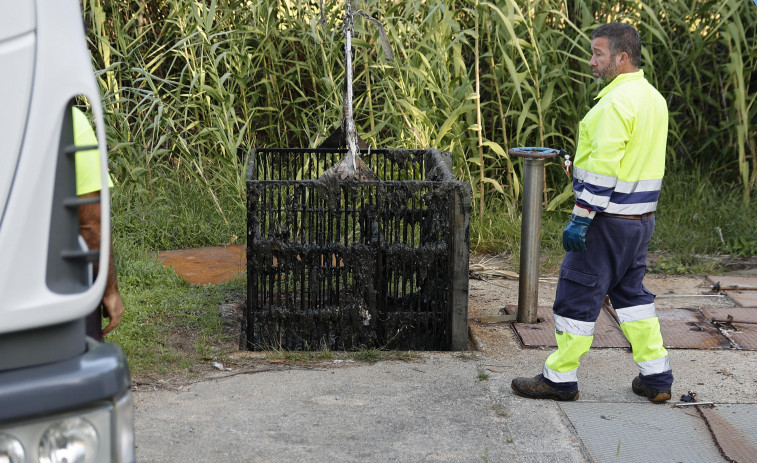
[
  {"x": 737, "y": 314},
  {"x": 636, "y": 433},
  {"x": 679, "y": 291},
  {"x": 441, "y": 407},
  {"x": 437, "y": 409}
]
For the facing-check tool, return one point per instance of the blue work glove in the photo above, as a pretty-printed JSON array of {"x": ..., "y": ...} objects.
[{"x": 574, "y": 233}]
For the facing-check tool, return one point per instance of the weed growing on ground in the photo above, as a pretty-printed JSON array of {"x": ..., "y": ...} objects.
[
  {"x": 500, "y": 410},
  {"x": 377, "y": 355}
]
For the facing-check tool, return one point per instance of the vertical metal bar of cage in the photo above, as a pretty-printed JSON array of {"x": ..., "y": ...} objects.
[
  {"x": 307, "y": 258},
  {"x": 322, "y": 241},
  {"x": 459, "y": 226},
  {"x": 329, "y": 239},
  {"x": 252, "y": 284},
  {"x": 266, "y": 282},
  {"x": 272, "y": 264},
  {"x": 315, "y": 290},
  {"x": 341, "y": 224},
  {"x": 393, "y": 244},
  {"x": 275, "y": 226},
  {"x": 302, "y": 224}
]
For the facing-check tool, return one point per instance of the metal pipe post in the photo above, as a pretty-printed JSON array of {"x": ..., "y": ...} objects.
[
  {"x": 530, "y": 233},
  {"x": 530, "y": 229}
]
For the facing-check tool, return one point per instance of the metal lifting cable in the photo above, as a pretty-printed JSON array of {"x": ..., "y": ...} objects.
[
  {"x": 351, "y": 166},
  {"x": 348, "y": 119}
]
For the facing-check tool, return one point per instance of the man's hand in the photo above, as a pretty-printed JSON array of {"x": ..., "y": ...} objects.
[
  {"x": 574, "y": 233},
  {"x": 89, "y": 228},
  {"x": 114, "y": 308}
]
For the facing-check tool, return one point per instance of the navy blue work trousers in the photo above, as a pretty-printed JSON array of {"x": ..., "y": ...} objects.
[{"x": 614, "y": 264}]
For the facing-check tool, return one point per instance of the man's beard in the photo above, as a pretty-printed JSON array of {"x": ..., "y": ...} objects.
[{"x": 610, "y": 72}]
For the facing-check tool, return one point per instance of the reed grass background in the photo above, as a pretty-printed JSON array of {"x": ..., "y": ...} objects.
[{"x": 190, "y": 87}]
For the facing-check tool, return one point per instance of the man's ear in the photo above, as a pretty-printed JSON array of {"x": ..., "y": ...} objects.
[{"x": 624, "y": 59}]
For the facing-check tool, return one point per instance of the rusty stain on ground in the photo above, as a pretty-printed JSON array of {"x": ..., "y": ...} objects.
[{"x": 210, "y": 265}]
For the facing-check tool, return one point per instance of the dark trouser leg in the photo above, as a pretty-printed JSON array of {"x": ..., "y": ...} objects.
[
  {"x": 614, "y": 263},
  {"x": 636, "y": 312}
]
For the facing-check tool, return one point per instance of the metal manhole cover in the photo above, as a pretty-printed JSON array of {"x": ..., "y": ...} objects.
[
  {"x": 687, "y": 328},
  {"x": 743, "y": 298},
  {"x": 735, "y": 428},
  {"x": 745, "y": 336},
  {"x": 643, "y": 432},
  {"x": 607, "y": 333},
  {"x": 739, "y": 314}
]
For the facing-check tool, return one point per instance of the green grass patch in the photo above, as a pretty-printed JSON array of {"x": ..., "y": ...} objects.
[
  {"x": 500, "y": 410},
  {"x": 307, "y": 356},
  {"x": 378, "y": 355},
  {"x": 180, "y": 214},
  {"x": 168, "y": 325},
  {"x": 700, "y": 216}
]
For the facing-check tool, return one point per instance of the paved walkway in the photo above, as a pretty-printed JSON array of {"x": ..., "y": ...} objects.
[{"x": 459, "y": 406}]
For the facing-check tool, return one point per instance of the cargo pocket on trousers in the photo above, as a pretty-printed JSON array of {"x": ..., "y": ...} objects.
[{"x": 576, "y": 295}]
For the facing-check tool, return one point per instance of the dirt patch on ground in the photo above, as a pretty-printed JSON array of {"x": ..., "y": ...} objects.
[{"x": 210, "y": 265}]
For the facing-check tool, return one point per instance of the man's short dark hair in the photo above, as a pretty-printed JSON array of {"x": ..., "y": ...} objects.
[{"x": 622, "y": 38}]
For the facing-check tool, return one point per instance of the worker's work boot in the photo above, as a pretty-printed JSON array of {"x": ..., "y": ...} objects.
[
  {"x": 654, "y": 395},
  {"x": 537, "y": 388}
]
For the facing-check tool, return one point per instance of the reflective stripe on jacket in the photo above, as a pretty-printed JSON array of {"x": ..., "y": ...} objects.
[{"x": 620, "y": 158}]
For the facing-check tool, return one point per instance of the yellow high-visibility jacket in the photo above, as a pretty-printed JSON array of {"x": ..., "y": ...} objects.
[
  {"x": 87, "y": 162},
  {"x": 620, "y": 157}
]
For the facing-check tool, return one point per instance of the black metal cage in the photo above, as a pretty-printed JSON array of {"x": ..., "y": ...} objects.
[{"x": 352, "y": 263}]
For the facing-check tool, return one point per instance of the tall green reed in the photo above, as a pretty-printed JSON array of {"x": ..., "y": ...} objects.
[{"x": 191, "y": 87}]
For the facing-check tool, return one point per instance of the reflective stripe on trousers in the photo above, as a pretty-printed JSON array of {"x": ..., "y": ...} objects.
[
  {"x": 574, "y": 339},
  {"x": 645, "y": 337}
]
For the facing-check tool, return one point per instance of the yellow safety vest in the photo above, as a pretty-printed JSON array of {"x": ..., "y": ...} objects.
[
  {"x": 620, "y": 157},
  {"x": 88, "y": 178}
]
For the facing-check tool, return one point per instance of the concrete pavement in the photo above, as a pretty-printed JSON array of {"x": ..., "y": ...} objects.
[{"x": 454, "y": 407}]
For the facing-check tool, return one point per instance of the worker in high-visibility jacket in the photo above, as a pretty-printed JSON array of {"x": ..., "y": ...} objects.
[
  {"x": 88, "y": 185},
  {"x": 618, "y": 170}
]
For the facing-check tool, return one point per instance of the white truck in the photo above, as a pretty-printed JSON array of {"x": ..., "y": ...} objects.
[{"x": 63, "y": 396}]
